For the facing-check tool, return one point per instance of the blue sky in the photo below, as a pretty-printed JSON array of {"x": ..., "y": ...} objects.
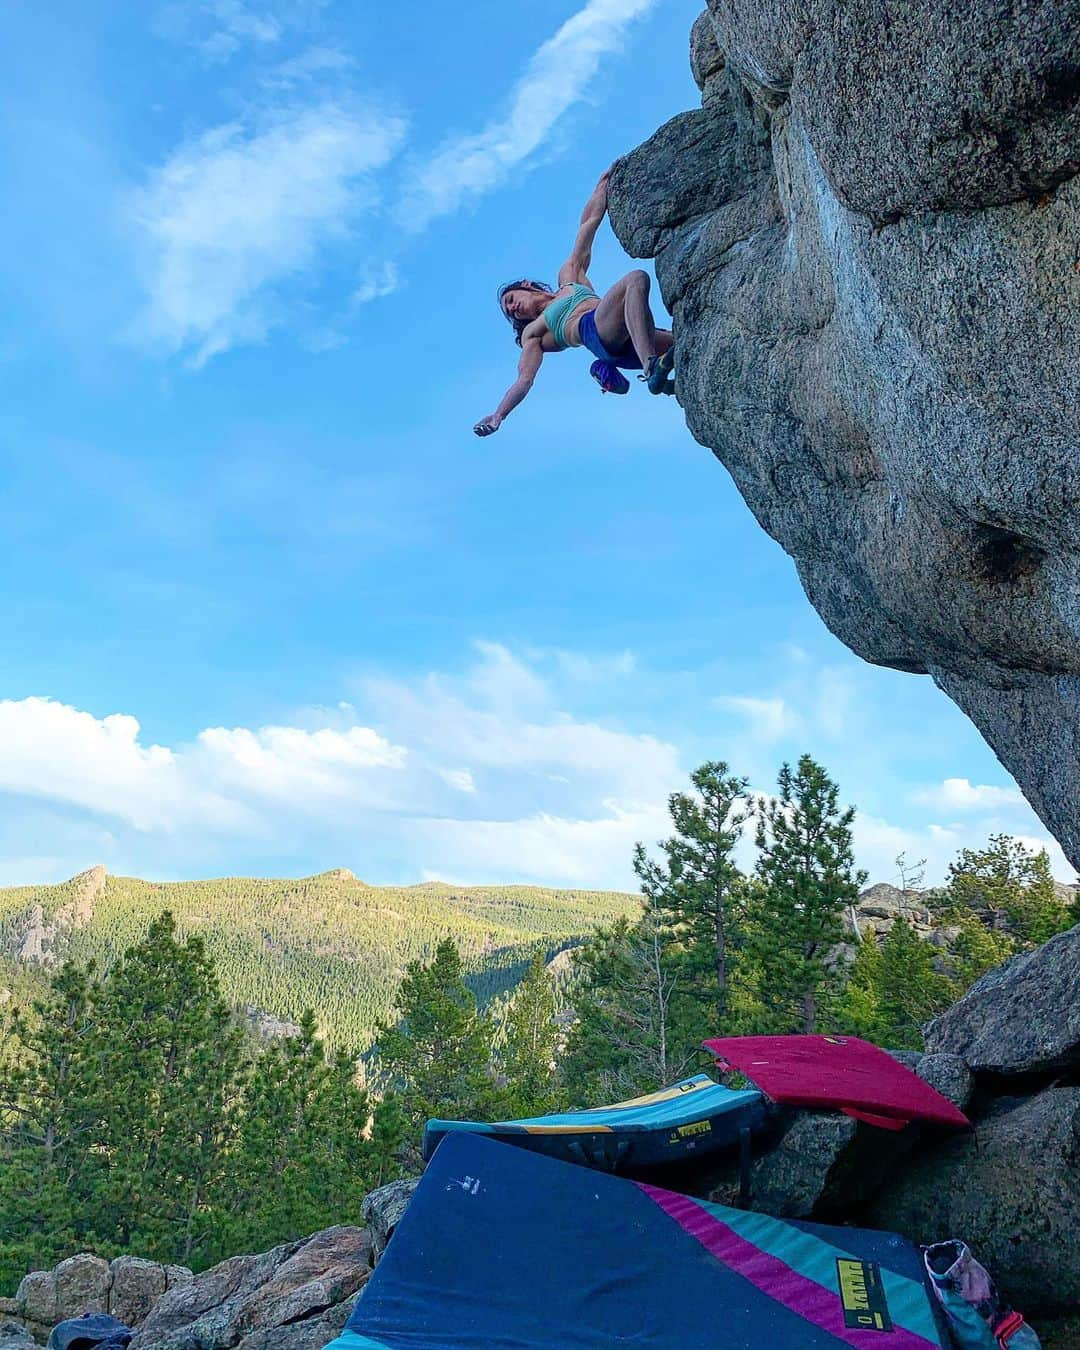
[{"x": 271, "y": 607}]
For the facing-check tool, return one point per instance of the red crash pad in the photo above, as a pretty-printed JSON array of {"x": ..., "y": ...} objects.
[{"x": 838, "y": 1072}]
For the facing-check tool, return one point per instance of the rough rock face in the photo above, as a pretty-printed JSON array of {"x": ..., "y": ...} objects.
[
  {"x": 284, "y": 1299},
  {"x": 1023, "y": 1017},
  {"x": 828, "y": 1165},
  {"x": 14, "y": 1336},
  {"x": 38, "y": 939},
  {"x": 1010, "y": 1190},
  {"x": 868, "y": 239},
  {"x": 127, "y": 1289},
  {"x": 382, "y": 1211}
]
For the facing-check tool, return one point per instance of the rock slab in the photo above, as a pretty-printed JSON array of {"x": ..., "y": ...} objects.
[
  {"x": 271, "y": 1300},
  {"x": 867, "y": 238},
  {"x": 1010, "y": 1190},
  {"x": 382, "y": 1211},
  {"x": 1021, "y": 1018}
]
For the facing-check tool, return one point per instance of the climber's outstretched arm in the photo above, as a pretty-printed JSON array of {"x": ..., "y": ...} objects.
[
  {"x": 532, "y": 353},
  {"x": 576, "y": 268}
]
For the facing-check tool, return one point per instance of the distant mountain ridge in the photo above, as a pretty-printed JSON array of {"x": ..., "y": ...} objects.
[{"x": 328, "y": 942}]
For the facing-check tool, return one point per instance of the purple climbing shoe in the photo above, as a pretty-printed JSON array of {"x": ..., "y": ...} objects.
[{"x": 609, "y": 377}]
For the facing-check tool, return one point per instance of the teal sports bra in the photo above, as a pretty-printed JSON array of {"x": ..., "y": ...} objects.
[{"x": 560, "y": 309}]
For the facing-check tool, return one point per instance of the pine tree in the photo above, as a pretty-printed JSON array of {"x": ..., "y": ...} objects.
[
  {"x": 1011, "y": 894},
  {"x": 529, "y": 1052},
  {"x": 698, "y": 886},
  {"x": 807, "y": 877},
  {"x": 164, "y": 1110},
  {"x": 636, "y": 1026},
  {"x": 437, "y": 1056},
  {"x": 304, "y": 1158},
  {"x": 46, "y": 1076},
  {"x": 893, "y": 990}
]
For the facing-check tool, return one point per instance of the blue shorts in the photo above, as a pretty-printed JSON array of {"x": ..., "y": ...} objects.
[{"x": 624, "y": 357}]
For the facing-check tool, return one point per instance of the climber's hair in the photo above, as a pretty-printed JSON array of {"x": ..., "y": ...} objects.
[{"x": 522, "y": 283}]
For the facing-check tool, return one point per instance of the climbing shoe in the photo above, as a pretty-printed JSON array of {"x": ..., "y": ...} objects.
[
  {"x": 656, "y": 376},
  {"x": 609, "y": 377}
]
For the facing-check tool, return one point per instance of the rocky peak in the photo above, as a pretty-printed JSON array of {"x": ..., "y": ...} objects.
[
  {"x": 39, "y": 934},
  {"x": 878, "y": 333}
]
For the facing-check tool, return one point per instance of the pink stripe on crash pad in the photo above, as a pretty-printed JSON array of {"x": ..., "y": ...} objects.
[
  {"x": 806, "y": 1298},
  {"x": 836, "y": 1073}
]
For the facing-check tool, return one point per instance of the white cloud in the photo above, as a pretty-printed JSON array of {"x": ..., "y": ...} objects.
[
  {"x": 296, "y": 765},
  {"x": 219, "y": 29},
  {"x": 835, "y": 698},
  {"x": 235, "y": 25},
  {"x": 223, "y": 780},
  {"x": 100, "y": 765},
  {"x": 591, "y": 853},
  {"x": 240, "y": 211},
  {"x": 481, "y": 774},
  {"x": 959, "y": 794},
  {"x": 503, "y": 716},
  {"x": 489, "y": 774},
  {"x": 555, "y": 78},
  {"x": 768, "y": 719},
  {"x": 377, "y": 282}
]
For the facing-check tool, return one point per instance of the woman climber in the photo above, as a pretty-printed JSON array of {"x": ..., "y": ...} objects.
[{"x": 618, "y": 327}]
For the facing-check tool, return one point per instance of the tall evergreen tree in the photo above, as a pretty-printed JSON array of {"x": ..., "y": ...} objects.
[
  {"x": 1008, "y": 889},
  {"x": 807, "y": 876},
  {"x": 164, "y": 1111},
  {"x": 636, "y": 1024},
  {"x": 46, "y": 1076},
  {"x": 894, "y": 989},
  {"x": 305, "y": 1155},
  {"x": 437, "y": 1056},
  {"x": 529, "y": 1052},
  {"x": 698, "y": 885}
]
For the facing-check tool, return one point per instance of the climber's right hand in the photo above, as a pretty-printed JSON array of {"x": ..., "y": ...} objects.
[{"x": 488, "y": 425}]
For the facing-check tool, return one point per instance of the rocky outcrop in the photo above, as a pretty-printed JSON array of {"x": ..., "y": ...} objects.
[
  {"x": 37, "y": 943},
  {"x": 14, "y": 1336},
  {"x": 382, "y": 1211},
  {"x": 284, "y": 1299},
  {"x": 1022, "y": 1018},
  {"x": 296, "y": 1297},
  {"x": 126, "y": 1288},
  {"x": 867, "y": 238},
  {"x": 1007, "y": 1054},
  {"x": 825, "y": 1164},
  {"x": 264, "y": 1026},
  {"x": 1011, "y": 1191}
]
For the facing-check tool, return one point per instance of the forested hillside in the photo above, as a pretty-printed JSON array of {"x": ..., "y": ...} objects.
[{"x": 328, "y": 942}]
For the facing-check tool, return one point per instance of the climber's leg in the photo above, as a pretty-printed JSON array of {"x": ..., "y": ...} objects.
[{"x": 623, "y": 317}]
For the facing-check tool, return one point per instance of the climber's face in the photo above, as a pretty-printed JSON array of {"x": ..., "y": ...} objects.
[{"x": 524, "y": 304}]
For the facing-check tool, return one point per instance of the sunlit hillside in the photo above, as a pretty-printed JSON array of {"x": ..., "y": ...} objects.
[{"x": 329, "y": 942}]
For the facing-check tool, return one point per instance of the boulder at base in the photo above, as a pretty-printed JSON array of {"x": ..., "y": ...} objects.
[
  {"x": 1010, "y": 1191},
  {"x": 266, "y": 1301},
  {"x": 1021, "y": 1018}
]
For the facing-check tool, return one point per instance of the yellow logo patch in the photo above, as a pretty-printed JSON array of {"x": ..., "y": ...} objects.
[
  {"x": 685, "y": 1131},
  {"x": 862, "y": 1295}
]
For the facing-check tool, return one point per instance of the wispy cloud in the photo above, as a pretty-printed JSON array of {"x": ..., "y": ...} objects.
[
  {"x": 219, "y": 29},
  {"x": 232, "y": 216},
  {"x": 556, "y": 77},
  {"x": 236, "y": 24},
  {"x": 492, "y": 773},
  {"x": 959, "y": 794},
  {"x": 377, "y": 283},
  {"x": 767, "y": 719}
]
